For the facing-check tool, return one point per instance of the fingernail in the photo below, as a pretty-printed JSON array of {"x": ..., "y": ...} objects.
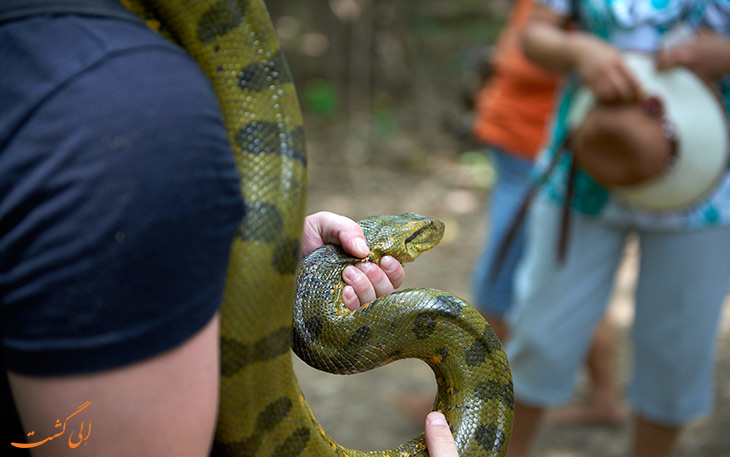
[
  {"x": 436, "y": 418},
  {"x": 350, "y": 273},
  {"x": 366, "y": 267},
  {"x": 362, "y": 247},
  {"x": 350, "y": 298},
  {"x": 387, "y": 262}
]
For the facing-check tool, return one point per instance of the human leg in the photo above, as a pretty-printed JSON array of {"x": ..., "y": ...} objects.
[
  {"x": 527, "y": 422},
  {"x": 652, "y": 439},
  {"x": 493, "y": 293},
  {"x": 682, "y": 284},
  {"x": 601, "y": 367},
  {"x": 557, "y": 308},
  {"x": 604, "y": 404}
]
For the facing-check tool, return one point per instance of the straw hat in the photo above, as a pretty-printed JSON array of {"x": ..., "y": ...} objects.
[{"x": 663, "y": 153}]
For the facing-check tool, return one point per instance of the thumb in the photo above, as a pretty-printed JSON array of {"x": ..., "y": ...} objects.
[{"x": 439, "y": 440}]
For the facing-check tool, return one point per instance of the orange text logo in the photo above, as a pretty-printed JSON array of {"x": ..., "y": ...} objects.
[{"x": 72, "y": 439}]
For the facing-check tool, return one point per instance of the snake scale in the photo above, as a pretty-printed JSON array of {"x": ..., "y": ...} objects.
[{"x": 262, "y": 411}]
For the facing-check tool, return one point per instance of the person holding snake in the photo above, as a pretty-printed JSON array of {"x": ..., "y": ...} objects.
[{"x": 119, "y": 199}]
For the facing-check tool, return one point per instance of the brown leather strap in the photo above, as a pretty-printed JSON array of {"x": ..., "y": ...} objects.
[
  {"x": 519, "y": 217},
  {"x": 565, "y": 219}
]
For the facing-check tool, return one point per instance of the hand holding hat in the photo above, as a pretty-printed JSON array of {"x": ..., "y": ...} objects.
[
  {"x": 707, "y": 56},
  {"x": 603, "y": 71},
  {"x": 663, "y": 151}
]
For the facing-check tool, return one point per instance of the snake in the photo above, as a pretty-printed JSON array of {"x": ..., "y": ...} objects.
[{"x": 262, "y": 411}]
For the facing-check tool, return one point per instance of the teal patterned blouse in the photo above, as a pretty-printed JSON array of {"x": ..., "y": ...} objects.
[{"x": 637, "y": 25}]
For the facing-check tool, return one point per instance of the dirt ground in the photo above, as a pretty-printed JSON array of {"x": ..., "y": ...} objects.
[{"x": 359, "y": 411}]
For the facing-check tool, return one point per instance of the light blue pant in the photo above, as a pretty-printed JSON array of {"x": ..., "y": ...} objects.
[
  {"x": 683, "y": 279},
  {"x": 494, "y": 297}
]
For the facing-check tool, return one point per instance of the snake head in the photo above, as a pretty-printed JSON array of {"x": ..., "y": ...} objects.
[{"x": 404, "y": 237}]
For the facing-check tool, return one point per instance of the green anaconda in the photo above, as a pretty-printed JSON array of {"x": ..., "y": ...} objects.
[
  {"x": 262, "y": 411},
  {"x": 472, "y": 373}
]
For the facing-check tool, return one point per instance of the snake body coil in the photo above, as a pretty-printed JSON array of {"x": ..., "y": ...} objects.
[
  {"x": 262, "y": 411},
  {"x": 472, "y": 373}
]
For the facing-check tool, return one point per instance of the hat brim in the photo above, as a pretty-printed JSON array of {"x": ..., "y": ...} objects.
[{"x": 702, "y": 129}]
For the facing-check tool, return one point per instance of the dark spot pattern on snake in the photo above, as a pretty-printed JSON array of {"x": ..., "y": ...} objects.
[
  {"x": 425, "y": 325},
  {"x": 272, "y": 415},
  {"x": 221, "y": 18},
  {"x": 246, "y": 446},
  {"x": 487, "y": 435},
  {"x": 360, "y": 337},
  {"x": 259, "y": 76},
  {"x": 449, "y": 305},
  {"x": 236, "y": 355},
  {"x": 261, "y": 221},
  {"x": 444, "y": 307},
  {"x": 492, "y": 389},
  {"x": 286, "y": 256},
  {"x": 477, "y": 352},
  {"x": 313, "y": 326},
  {"x": 266, "y": 137},
  {"x": 294, "y": 444}
]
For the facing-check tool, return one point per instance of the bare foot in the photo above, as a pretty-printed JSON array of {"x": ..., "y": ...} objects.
[{"x": 588, "y": 414}]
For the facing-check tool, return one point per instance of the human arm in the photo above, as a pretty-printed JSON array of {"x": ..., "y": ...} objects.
[
  {"x": 707, "y": 55},
  {"x": 439, "y": 439},
  {"x": 133, "y": 410},
  {"x": 599, "y": 65},
  {"x": 366, "y": 281}
]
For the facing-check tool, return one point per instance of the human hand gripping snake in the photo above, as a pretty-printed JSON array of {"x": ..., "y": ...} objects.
[{"x": 262, "y": 410}]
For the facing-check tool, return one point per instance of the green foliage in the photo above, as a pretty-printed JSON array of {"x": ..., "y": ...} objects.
[{"x": 320, "y": 98}]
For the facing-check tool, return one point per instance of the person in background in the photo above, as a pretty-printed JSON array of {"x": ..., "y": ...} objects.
[
  {"x": 684, "y": 270},
  {"x": 513, "y": 110}
]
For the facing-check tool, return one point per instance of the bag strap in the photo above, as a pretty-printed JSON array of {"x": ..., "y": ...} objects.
[
  {"x": 519, "y": 218},
  {"x": 17, "y": 9},
  {"x": 575, "y": 10},
  {"x": 565, "y": 218}
]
